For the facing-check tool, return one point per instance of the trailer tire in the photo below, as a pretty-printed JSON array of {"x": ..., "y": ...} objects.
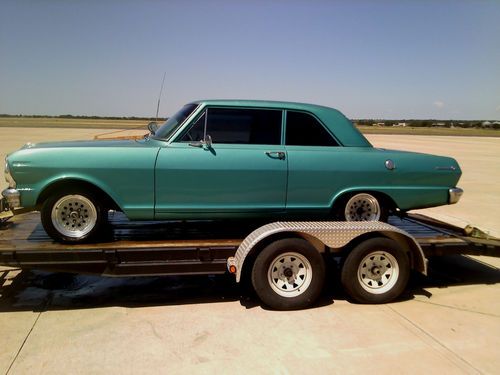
[
  {"x": 288, "y": 274},
  {"x": 73, "y": 216},
  {"x": 376, "y": 271}
]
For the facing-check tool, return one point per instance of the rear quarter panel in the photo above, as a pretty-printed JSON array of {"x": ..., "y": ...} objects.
[{"x": 319, "y": 175}]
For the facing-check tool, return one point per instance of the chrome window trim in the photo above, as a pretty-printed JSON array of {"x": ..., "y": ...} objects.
[
  {"x": 206, "y": 107},
  {"x": 179, "y": 126}
]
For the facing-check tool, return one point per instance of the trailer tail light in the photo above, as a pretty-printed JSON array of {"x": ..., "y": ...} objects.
[{"x": 231, "y": 265}]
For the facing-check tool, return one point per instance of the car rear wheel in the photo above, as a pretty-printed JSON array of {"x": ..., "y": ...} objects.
[
  {"x": 73, "y": 217},
  {"x": 364, "y": 207},
  {"x": 288, "y": 274}
]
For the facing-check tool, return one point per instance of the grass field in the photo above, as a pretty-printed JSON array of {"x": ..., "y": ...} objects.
[
  {"x": 473, "y": 132},
  {"x": 48, "y": 122}
]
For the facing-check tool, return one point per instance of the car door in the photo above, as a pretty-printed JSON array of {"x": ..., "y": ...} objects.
[
  {"x": 315, "y": 163},
  {"x": 242, "y": 172}
]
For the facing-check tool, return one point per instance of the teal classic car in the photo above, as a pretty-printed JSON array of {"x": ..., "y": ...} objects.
[{"x": 226, "y": 159}]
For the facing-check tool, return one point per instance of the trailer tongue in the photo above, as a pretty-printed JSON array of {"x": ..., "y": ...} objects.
[{"x": 284, "y": 260}]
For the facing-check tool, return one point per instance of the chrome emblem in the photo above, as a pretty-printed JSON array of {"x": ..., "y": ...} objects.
[{"x": 450, "y": 168}]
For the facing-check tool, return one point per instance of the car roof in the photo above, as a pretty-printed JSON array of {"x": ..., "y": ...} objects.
[
  {"x": 262, "y": 103},
  {"x": 332, "y": 118}
]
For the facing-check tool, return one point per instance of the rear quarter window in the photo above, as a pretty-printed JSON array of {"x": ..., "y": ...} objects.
[{"x": 303, "y": 129}]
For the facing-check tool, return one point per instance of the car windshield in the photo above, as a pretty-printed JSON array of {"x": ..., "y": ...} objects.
[{"x": 173, "y": 122}]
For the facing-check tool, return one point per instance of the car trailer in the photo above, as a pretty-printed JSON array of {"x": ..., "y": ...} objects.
[{"x": 284, "y": 261}]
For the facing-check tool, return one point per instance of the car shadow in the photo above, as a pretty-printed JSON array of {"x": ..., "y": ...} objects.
[{"x": 32, "y": 290}]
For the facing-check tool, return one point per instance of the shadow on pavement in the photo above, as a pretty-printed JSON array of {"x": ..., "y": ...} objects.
[
  {"x": 454, "y": 270},
  {"x": 443, "y": 272},
  {"x": 42, "y": 291},
  {"x": 45, "y": 291}
]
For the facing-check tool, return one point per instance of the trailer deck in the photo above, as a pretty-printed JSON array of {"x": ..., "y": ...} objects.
[{"x": 176, "y": 248}]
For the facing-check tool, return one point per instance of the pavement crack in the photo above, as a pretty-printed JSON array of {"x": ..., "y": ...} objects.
[
  {"x": 42, "y": 310},
  {"x": 153, "y": 329},
  {"x": 435, "y": 340},
  {"x": 458, "y": 308}
]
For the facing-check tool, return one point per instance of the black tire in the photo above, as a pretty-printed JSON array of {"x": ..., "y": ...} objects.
[
  {"x": 301, "y": 262},
  {"x": 376, "y": 271},
  {"x": 84, "y": 224}
]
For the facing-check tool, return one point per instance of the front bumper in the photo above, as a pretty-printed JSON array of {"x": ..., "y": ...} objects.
[
  {"x": 454, "y": 195},
  {"x": 12, "y": 197}
]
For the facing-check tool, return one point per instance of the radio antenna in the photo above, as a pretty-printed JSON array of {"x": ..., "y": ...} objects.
[{"x": 159, "y": 97}]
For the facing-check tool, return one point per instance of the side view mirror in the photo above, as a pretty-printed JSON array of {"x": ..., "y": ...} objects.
[{"x": 153, "y": 127}]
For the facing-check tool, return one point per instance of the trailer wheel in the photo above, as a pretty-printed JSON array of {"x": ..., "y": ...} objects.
[
  {"x": 72, "y": 217},
  {"x": 288, "y": 274},
  {"x": 376, "y": 271}
]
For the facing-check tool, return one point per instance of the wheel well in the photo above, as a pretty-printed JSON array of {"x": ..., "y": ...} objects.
[
  {"x": 384, "y": 199},
  {"x": 412, "y": 250},
  {"x": 80, "y": 184},
  {"x": 250, "y": 257}
]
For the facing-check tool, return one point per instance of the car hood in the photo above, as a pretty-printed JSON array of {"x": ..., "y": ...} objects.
[{"x": 87, "y": 144}]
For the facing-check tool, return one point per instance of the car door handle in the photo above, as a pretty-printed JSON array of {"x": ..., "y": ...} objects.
[{"x": 276, "y": 154}]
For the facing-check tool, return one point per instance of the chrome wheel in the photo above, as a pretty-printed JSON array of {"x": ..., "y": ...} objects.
[
  {"x": 378, "y": 272},
  {"x": 289, "y": 274},
  {"x": 74, "y": 216},
  {"x": 362, "y": 207}
]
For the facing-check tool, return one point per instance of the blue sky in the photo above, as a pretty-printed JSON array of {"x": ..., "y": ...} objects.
[{"x": 369, "y": 59}]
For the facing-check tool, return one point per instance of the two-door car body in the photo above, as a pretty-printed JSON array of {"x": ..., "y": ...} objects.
[{"x": 227, "y": 159}]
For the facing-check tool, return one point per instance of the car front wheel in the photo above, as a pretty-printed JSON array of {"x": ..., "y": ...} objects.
[{"x": 73, "y": 217}]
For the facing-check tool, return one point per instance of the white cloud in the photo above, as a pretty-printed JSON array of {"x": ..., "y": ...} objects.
[{"x": 438, "y": 104}]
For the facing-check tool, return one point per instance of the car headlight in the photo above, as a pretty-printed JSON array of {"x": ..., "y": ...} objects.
[{"x": 8, "y": 176}]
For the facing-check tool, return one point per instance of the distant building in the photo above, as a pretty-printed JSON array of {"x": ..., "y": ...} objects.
[
  {"x": 400, "y": 124},
  {"x": 439, "y": 124},
  {"x": 378, "y": 124},
  {"x": 486, "y": 124}
]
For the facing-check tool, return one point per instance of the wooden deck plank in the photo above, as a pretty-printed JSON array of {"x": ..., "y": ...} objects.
[{"x": 26, "y": 232}]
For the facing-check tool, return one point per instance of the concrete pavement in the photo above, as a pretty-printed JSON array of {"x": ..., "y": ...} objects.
[{"x": 447, "y": 323}]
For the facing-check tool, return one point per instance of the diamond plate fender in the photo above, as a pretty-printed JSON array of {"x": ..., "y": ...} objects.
[{"x": 333, "y": 234}]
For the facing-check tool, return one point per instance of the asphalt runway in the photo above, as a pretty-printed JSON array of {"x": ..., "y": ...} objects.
[{"x": 448, "y": 322}]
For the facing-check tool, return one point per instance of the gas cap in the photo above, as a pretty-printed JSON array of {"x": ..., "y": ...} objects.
[{"x": 389, "y": 164}]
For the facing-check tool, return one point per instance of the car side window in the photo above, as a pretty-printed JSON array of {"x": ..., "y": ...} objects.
[
  {"x": 303, "y": 129},
  {"x": 196, "y": 132},
  {"x": 239, "y": 126}
]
